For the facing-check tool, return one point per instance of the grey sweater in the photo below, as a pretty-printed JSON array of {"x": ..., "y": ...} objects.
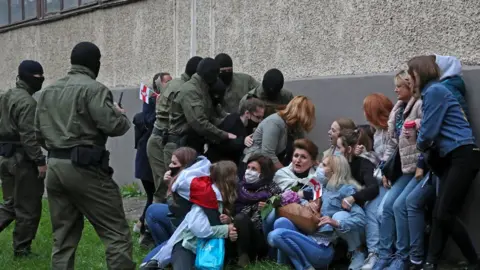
[{"x": 270, "y": 138}]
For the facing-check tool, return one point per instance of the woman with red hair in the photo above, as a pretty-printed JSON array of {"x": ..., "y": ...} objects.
[{"x": 377, "y": 108}]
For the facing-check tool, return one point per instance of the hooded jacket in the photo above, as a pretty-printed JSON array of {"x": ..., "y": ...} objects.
[{"x": 451, "y": 78}]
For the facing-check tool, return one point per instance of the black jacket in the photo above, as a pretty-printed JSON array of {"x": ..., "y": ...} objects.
[
  {"x": 362, "y": 170},
  {"x": 229, "y": 149}
]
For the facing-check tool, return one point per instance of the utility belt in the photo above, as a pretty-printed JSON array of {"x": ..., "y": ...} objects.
[
  {"x": 85, "y": 156},
  {"x": 8, "y": 150}
]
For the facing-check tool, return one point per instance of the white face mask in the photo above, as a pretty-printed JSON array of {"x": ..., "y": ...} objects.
[
  {"x": 321, "y": 176},
  {"x": 251, "y": 176}
]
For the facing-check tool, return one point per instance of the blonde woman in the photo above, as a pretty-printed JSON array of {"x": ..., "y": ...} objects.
[
  {"x": 394, "y": 217},
  {"x": 273, "y": 134},
  {"x": 316, "y": 250}
]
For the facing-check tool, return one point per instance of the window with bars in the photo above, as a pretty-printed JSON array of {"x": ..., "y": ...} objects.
[{"x": 18, "y": 11}]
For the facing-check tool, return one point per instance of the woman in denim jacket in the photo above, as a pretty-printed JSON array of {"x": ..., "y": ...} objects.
[
  {"x": 316, "y": 251},
  {"x": 446, "y": 135}
]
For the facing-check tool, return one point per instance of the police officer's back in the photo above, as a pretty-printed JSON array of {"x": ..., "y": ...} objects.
[{"x": 75, "y": 116}]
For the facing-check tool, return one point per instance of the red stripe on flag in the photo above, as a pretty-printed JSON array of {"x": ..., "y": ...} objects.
[{"x": 202, "y": 193}]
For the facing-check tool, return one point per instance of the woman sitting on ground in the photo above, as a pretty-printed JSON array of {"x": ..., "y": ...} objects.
[
  {"x": 301, "y": 169},
  {"x": 298, "y": 174},
  {"x": 210, "y": 188},
  {"x": 362, "y": 170},
  {"x": 158, "y": 215},
  {"x": 252, "y": 194},
  {"x": 316, "y": 251}
]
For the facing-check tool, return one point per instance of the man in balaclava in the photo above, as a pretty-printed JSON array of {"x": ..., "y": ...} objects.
[
  {"x": 238, "y": 84},
  {"x": 88, "y": 55},
  {"x": 192, "y": 112},
  {"x": 22, "y": 163},
  {"x": 159, "y": 152},
  {"x": 75, "y": 117},
  {"x": 271, "y": 91}
]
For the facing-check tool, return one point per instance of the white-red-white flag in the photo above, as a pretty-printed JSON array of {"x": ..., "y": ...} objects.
[
  {"x": 317, "y": 188},
  {"x": 144, "y": 93}
]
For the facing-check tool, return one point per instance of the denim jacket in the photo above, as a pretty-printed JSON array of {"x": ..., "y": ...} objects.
[
  {"x": 444, "y": 123},
  {"x": 332, "y": 203}
]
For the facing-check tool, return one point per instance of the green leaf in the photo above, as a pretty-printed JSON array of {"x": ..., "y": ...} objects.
[{"x": 266, "y": 210}]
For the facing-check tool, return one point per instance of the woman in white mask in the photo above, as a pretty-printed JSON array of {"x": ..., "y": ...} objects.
[{"x": 252, "y": 193}]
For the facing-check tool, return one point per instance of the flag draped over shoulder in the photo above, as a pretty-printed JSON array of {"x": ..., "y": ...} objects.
[{"x": 194, "y": 185}]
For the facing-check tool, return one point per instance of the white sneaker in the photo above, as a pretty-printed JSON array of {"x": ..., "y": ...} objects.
[
  {"x": 370, "y": 261},
  {"x": 136, "y": 227},
  {"x": 357, "y": 260}
]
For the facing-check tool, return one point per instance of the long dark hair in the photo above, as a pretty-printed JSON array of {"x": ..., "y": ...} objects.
[{"x": 266, "y": 166}]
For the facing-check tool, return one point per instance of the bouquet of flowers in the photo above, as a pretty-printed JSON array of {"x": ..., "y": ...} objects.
[{"x": 287, "y": 197}]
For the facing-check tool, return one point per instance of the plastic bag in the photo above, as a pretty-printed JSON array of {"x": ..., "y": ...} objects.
[{"x": 210, "y": 254}]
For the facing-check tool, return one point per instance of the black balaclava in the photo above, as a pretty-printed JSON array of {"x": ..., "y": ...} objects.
[
  {"x": 226, "y": 68},
  {"x": 217, "y": 92},
  {"x": 208, "y": 69},
  {"x": 27, "y": 69},
  {"x": 88, "y": 55},
  {"x": 192, "y": 65},
  {"x": 272, "y": 83}
]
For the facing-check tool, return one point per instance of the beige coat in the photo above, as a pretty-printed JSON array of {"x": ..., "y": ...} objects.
[{"x": 408, "y": 148}]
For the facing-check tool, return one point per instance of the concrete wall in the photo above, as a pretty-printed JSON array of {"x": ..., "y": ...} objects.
[{"x": 303, "y": 38}]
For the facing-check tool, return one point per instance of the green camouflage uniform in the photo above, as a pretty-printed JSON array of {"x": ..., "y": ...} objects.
[
  {"x": 78, "y": 111},
  {"x": 239, "y": 87},
  {"x": 158, "y": 155},
  {"x": 271, "y": 107},
  {"x": 22, "y": 189},
  {"x": 193, "y": 117}
]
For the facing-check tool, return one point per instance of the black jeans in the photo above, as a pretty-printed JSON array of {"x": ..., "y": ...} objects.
[
  {"x": 455, "y": 182},
  {"x": 149, "y": 187},
  {"x": 182, "y": 259},
  {"x": 250, "y": 240}
]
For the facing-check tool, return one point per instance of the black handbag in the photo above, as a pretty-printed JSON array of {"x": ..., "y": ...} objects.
[{"x": 392, "y": 169}]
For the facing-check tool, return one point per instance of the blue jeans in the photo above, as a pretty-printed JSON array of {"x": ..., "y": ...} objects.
[
  {"x": 159, "y": 223},
  {"x": 302, "y": 250},
  {"x": 416, "y": 202},
  {"x": 153, "y": 252},
  {"x": 268, "y": 222},
  {"x": 353, "y": 238},
  {"x": 394, "y": 218},
  {"x": 373, "y": 214}
]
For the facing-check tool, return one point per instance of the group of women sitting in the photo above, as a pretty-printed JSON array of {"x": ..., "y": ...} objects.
[{"x": 379, "y": 217}]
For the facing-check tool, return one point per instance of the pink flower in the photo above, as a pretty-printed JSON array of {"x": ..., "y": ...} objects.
[{"x": 289, "y": 197}]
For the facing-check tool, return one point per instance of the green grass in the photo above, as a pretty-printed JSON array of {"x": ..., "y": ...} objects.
[{"x": 90, "y": 253}]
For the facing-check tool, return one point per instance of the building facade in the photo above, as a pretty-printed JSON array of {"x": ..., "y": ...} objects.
[{"x": 302, "y": 38}]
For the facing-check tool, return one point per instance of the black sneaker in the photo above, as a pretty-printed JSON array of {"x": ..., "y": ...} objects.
[{"x": 24, "y": 253}]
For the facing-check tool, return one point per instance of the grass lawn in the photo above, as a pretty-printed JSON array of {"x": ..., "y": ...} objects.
[{"x": 90, "y": 253}]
